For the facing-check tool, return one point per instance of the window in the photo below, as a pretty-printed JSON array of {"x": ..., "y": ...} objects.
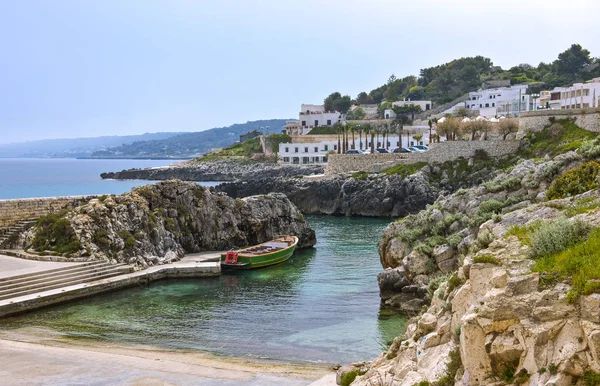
[
  {"x": 387, "y": 116},
  {"x": 305, "y": 160},
  {"x": 329, "y": 122},
  {"x": 316, "y": 149},
  {"x": 286, "y": 160},
  {"x": 398, "y": 143},
  {"x": 306, "y": 149},
  {"x": 295, "y": 150},
  {"x": 480, "y": 106},
  {"x": 326, "y": 147},
  {"x": 334, "y": 147},
  {"x": 316, "y": 122},
  {"x": 487, "y": 105},
  {"x": 427, "y": 106},
  {"x": 493, "y": 105},
  {"x": 303, "y": 123},
  {"x": 296, "y": 160},
  {"x": 490, "y": 97},
  {"x": 472, "y": 106},
  {"x": 287, "y": 149}
]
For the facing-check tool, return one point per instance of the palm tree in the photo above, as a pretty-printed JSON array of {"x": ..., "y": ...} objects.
[
  {"x": 360, "y": 130},
  {"x": 430, "y": 123},
  {"x": 352, "y": 129},
  {"x": 338, "y": 129},
  {"x": 400, "y": 129}
]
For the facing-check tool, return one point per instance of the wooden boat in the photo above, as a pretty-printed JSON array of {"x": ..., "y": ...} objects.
[{"x": 262, "y": 255}]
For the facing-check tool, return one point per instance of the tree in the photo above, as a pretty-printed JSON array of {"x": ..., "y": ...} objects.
[
  {"x": 430, "y": 124},
  {"x": 338, "y": 130},
  {"x": 342, "y": 104},
  {"x": 508, "y": 126},
  {"x": 400, "y": 128},
  {"x": 414, "y": 109},
  {"x": 474, "y": 127},
  {"x": 571, "y": 61},
  {"x": 450, "y": 128},
  {"x": 363, "y": 98},
  {"x": 328, "y": 102},
  {"x": 353, "y": 129},
  {"x": 356, "y": 115},
  {"x": 418, "y": 137}
]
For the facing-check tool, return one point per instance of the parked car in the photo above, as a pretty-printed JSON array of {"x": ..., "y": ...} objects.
[
  {"x": 381, "y": 150},
  {"x": 416, "y": 149},
  {"x": 403, "y": 150},
  {"x": 353, "y": 151},
  {"x": 422, "y": 147}
]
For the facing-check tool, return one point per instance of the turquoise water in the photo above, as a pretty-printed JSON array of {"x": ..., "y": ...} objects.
[
  {"x": 321, "y": 306},
  {"x": 30, "y": 177}
]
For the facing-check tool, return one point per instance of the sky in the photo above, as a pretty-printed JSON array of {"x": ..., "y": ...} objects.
[{"x": 81, "y": 68}]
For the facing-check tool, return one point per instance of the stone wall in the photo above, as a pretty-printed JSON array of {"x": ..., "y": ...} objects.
[
  {"x": 13, "y": 211},
  {"x": 438, "y": 152},
  {"x": 588, "y": 119}
]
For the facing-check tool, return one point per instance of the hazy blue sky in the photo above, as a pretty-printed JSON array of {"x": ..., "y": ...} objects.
[{"x": 71, "y": 68}]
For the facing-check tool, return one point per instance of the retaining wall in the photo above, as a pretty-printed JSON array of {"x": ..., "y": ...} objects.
[
  {"x": 438, "y": 152},
  {"x": 13, "y": 211},
  {"x": 588, "y": 119}
]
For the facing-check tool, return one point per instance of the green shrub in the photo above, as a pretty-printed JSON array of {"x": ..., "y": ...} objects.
[
  {"x": 490, "y": 207},
  {"x": 523, "y": 231},
  {"x": 575, "y": 181},
  {"x": 405, "y": 170},
  {"x": 591, "y": 378},
  {"x": 54, "y": 233},
  {"x": 349, "y": 377},
  {"x": 454, "y": 282},
  {"x": 591, "y": 149},
  {"x": 555, "y": 236},
  {"x": 360, "y": 176},
  {"x": 101, "y": 239},
  {"x": 578, "y": 263},
  {"x": 435, "y": 283}
]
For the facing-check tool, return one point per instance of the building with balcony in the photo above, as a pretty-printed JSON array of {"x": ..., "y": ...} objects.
[
  {"x": 577, "y": 96},
  {"x": 311, "y": 116},
  {"x": 504, "y": 101}
]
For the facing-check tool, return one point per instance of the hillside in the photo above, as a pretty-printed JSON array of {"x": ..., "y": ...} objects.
[
  {"x": 190, "y": 144},
  {"x": 73, "y": 147}
]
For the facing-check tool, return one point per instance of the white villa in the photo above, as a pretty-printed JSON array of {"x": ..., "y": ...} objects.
[
  {"x": 317, "y": 152},
  {"x": 425, "y": 105},
  {"x": 499, "y": 101},
  {"x": 370, "y": 110},
  {"x": 311, "y": 116},
  {"x": 577, "y": 96}
]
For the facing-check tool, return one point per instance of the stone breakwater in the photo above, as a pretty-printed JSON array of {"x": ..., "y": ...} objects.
[
  {"x": 215, "y": 171},
  {"x": 373, "y": 196},
  {"x": 13, "y": 211},
  {"x": 157, "y": 224}
]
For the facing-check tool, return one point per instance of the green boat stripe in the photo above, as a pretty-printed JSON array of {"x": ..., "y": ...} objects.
[{"x": 266, "y": 262}]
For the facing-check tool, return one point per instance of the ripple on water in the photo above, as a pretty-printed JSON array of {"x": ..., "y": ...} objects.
[{"x": 321, "y": 306}]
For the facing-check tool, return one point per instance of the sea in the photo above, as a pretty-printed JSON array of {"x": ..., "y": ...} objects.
[{"x": 34, "y": 177}]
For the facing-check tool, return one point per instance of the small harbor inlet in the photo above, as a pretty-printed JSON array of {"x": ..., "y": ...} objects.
[{"x": 321, "y": 306}]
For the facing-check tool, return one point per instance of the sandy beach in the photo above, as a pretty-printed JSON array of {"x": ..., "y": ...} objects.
[{"x": 32, "y": 356}]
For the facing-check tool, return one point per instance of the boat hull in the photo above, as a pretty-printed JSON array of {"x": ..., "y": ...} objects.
[{"x": 245, "y": 261}]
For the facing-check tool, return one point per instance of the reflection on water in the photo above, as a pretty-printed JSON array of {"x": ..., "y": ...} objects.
[{"x": 322, "y": 305}]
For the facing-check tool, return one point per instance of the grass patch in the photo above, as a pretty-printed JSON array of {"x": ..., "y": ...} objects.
[
  {"x": 581, "y": 206},
  {"x": 522, "y": 232},
  {"x": 486, "y": 259},
  {"x": 578, "y": 263},
  {"x": 405, "y": 170},
  {"x": 360, "y": 176},
  {"x": 575, "y": 181}
]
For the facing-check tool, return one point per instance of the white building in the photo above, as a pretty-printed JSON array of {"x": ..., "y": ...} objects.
[
  {"x": 577, "y": 96},
  {"x": 425, "y": 105},
  {"x": 499, "y": 101},
  {"x": 311, "y": 116},
  {"x": 316, "y": 153}
]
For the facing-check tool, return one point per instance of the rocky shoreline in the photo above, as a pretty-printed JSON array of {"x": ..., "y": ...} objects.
[{"x": 226, "y": 170}]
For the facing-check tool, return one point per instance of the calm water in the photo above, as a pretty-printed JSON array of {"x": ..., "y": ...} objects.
[
  {"x": 24, "y": 178},
  {"x": 321, "y": 306}
]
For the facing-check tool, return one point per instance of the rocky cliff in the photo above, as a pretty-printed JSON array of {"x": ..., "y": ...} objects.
[
  {"x": 214, "y": 171},
  {"x": 503, "y": 280},
  {"x": 158, "y": 223},
  {"x": 374, "y": 195}
]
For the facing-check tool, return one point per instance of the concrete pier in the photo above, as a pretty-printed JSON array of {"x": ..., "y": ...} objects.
[{"x": 15, "y": 270}]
